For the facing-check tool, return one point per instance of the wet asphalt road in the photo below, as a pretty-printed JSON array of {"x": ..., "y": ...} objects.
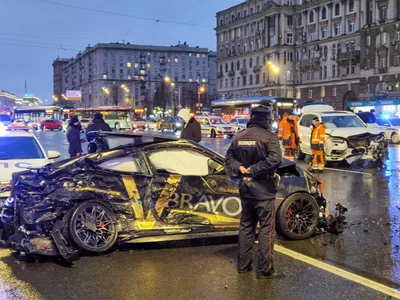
[{"x": 206, "y": 269}]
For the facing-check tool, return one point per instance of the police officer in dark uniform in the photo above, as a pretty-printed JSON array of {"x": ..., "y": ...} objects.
[{"x": 254, "y": 156}]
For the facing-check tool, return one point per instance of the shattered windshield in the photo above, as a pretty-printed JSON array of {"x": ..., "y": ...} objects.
[
  {"x": 342, "y": 121},
  {"x": 19, "y": 148}
]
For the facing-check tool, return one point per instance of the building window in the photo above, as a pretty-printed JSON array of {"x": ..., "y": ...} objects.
[
  {"x": 384, "y": 37},
  {"x": 351, "y": 5},
  {"x": 324, "y": 32},
  {"x": 368, "y": 40},
  {"x": 312, "y": 34},
  {"x": 263, "y": 77},
  {"x": 325, "y": 71},
  {"x": 397, "y": 60},
  {"x": 105, "y": 76},
  {"x": 272, "y": 40},
  {"x": 351, "y": 27},
  {"x": 232, "y": 82},
  {"x": 245, "y": 13},
  {"x": 244, "y": 63},
  {"x": 320, "y": 72},
  {"x": 338, "y": 70},
  {"x": 353, "y": 68},
  {"x": 367, "y": 64},
  {"x": 244, "y": 80},
  {"x": 337, "y": 29},
  {"x": 238, "y": 65},
  {"x": 220, "y": 84},
  {"x": 257, "y": 78},
  {"x": 289, "y": 38},
  {"x": 334, "y": 93},
  {"x": 333, "y": 49},
  {"x": 333, "y": 71},
  {"x": 238, "y": 81},
  {"x": 323, "y": 13},
  {"x": 245, "y": 47},
  {"x": 290, "y": 21},
  {"x": 251, "y": 10},
  {"x": 300, "y": 20},
  {"x": 309, "y": 93},
  {"x": 337, "y": 9},
  {"x": 226, "y": 67},
  {"x": 226, "y": 83},
  {"x": 251, "y": 79},
  {"x": 129, "y": 64},
  {"x": 382, "y": 60},
  {"x": 176, "y": 60},
  {"x": 383, "y": 13},
  {"x": 311, "y": 16}
]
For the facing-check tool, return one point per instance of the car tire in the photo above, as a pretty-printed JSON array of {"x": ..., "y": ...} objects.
[
  {"x": 213, "y": 134},
  {"x": 299, "y": 154},
  {"x": 90, "y": 237},
  {"x": 117, "y": 127},
  {"x": 287, "y": 216},
  {"x": 395, "y": 139}
]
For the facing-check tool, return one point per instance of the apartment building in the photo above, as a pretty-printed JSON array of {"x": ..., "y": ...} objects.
[
  {"x": 318, "y": 49},
  {"x": 140, "y": 69}
]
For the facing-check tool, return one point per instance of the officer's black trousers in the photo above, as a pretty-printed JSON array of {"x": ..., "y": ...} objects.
[{"x": 254, "y": 211}]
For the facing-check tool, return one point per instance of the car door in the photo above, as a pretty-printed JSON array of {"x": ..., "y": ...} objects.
[
  {"x": 191, "y": 190},
  {"x": 134, "y": 181},
  {"x": 305, "y": 132}
]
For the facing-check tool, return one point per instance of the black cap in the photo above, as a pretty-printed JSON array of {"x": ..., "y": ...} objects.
[
  {"x": 98, "y": 115},
  {"x": 261, "y": 111},
  {"x": 315, "y": 119}
]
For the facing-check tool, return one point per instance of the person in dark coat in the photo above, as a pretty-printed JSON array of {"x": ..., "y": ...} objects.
[
  {"x": 74, "y": 137},
  {"x": 253, "y": 158},
  {"x": 191, "y": 129},
  {"x": 97, "y": 124}
]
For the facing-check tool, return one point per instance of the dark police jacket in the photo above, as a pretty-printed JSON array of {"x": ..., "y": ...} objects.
[
  {"x": 96, "y": 125},
  {"x": 256, "y": 148},
  {"x": 74, "y": 140},
  {"x": 192, "y": 131}
]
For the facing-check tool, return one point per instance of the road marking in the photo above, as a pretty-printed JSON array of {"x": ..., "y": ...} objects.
[
  {"x": 339, "y": 272},
  {"x": 348, "y": 171}
]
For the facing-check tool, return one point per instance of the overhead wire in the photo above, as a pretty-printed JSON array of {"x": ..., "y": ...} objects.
[{"x": 123, "y": 14}]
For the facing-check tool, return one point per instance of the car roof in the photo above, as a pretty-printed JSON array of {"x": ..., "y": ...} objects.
[
  {"x": 209, "y": 117},
  {"x": 331, "y": 113},
  {"x": 15, "y": 134}
]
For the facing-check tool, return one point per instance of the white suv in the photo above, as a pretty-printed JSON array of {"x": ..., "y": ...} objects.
[
  {"x": 348, "y": 137},
  {"x": 214, "y": 126}
]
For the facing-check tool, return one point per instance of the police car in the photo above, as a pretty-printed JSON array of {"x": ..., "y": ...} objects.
[
  {"x": 214, "y": 126},
  {"x": 19, "y": 150}
]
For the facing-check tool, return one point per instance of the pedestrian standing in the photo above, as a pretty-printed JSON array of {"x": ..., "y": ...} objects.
[
  {"x": 288, "y": 132},
  {"x": 253, "y": 157},
  {"x": 97, "y": 124},
  {"x": 318, "y": 136},
  {"x": 74, "y": 137},
  {"x": 191, "y": 129}
]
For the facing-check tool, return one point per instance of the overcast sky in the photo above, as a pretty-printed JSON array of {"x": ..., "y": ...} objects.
[{"x": 34, "y": 32}]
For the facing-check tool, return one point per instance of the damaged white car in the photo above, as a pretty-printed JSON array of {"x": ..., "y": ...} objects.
[{"x": 348, "y": 138}]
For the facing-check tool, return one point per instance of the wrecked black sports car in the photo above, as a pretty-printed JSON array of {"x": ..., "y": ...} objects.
[{"x": 148, "y": 190}]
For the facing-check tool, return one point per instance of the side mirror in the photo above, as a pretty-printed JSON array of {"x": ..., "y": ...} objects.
[{"x": 53, "y": 154}]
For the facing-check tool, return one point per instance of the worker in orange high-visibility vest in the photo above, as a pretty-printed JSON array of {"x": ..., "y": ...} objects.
[
  {"x": 318, "y": 136},
  {"x": 288, "y": 132}
]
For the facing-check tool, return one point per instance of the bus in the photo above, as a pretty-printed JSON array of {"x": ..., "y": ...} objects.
[
  {"x": 243, "y": 106},
  {"x": 119, "y": 118},
  {"x": 37, "y": 113}
]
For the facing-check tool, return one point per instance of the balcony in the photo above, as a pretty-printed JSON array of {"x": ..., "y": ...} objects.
[
  {"x": 231, "y": 73},
  {"x": 310, "y": 61},
  {"x": 220, "y": 75},
  {"x": 382, "y": 70},
  {"x": 243, "y": 71},
  {"x": 256, "y": 69},
  {"x": 348, "y": 55}
]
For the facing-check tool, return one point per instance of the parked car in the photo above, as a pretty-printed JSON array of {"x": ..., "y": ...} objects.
[
  {"x": 348, "y": 137},
  {"x": 18, "y": 125},
  {"x": 138, "y": 123},
  {"x": 19, "y": 150},
  {"x": 170, "y": 123},
  {"x": 214, "y": 126},
  {"x": 390, "y": 126},
  {"x": 238, "y": 124},
  {"x": 163, "y": 188},
  {"x": 152, "y": 124},
  {"x": 51, "y": 124}
]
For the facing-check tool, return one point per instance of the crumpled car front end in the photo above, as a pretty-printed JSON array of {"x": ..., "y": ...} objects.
[{"x": 366, "y": 146}]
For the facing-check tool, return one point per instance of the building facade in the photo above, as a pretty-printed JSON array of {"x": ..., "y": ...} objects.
[
  {"x": 318, "y": 49},
  {"x": 101, "y": 70},
  {"x": 7, "y": 99}
]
